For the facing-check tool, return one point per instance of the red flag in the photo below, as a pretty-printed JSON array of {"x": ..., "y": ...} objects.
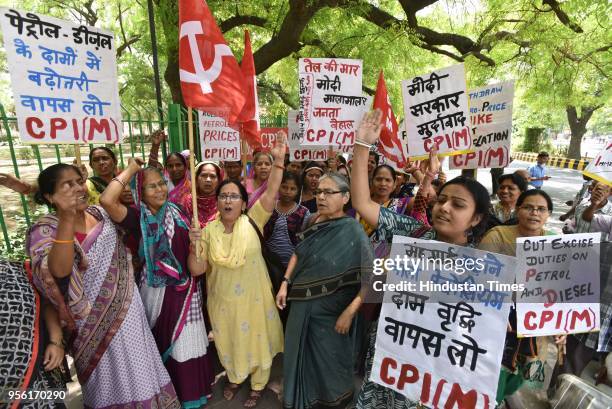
[
  {"x": 210, "y": 76},
  {"x": 389, "y": 143},
  {"x": 249, "y": 117}
]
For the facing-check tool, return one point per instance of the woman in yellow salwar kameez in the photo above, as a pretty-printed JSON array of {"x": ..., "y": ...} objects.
[{"x": 246, "y": 326}]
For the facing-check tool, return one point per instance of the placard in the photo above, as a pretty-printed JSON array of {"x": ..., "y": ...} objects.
[
  {"x": 331, "y": 100},
  {"x": 600, "y": 168},
  {"x": 443, "y": 346},
  {"x": 297, "y": 151},
  {"x": 436, "y": 113},
  {"x": 560, "y": 275},
  {"x": 491, "y": 127},
  {"x": 64, "y": 79},
  {"x": 218, "y": 141}
]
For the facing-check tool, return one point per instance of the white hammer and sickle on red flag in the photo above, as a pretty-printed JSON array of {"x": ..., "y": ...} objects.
[{"x": 201, "y": 76}]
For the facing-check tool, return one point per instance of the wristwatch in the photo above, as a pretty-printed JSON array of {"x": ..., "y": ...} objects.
[{"x": 288, "y": 280}]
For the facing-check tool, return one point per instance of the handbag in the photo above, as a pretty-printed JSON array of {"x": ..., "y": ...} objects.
[{"x": 276, "y": 270}]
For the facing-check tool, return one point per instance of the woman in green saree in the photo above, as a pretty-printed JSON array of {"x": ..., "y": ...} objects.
[{"x": 323, "y": 283}]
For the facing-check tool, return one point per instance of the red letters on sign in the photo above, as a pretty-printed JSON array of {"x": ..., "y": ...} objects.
[
  {"x": 409, "y": 374},
  {"x": 60, "y": 128},
  {"x": 456, "y": 140}
]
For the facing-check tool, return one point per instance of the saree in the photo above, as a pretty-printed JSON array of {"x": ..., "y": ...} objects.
[
  {"x": 114, "y": 353},
  {"x": 318, "y": 362},
  {"x": 254, "y": 193},
  {"x": 24, "y": 338},
  {"x": 177, "y": 192},
  {"x": 172, "y": 298}
]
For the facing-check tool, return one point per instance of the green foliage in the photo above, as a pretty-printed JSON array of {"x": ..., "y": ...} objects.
[
  {"x": 17, "y": 236},
  {"x": 554, "y": 66},
  {"x": 25, "y": 153}
]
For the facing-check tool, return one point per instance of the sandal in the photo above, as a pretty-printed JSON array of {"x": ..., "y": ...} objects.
[
  {"x": 253, "y": 399},
  {"x": 230, "y": 390}
]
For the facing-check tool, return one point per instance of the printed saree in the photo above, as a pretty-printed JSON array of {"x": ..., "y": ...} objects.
[
  {"x": 318, "y": 361},
  {"x": 114, "y": 353},
  {"x": 24, "y": 338}
]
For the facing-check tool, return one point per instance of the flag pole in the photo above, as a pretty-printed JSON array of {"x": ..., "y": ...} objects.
[
  {"x": 194, "y": 197},
  {"x": 77, "y": 154},
  {"x": 243, "y": 156}
]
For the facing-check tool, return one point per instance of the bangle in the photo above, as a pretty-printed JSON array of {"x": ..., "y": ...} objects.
[
  {"x": 63, "y": 241},
  {"x": 117, "y": 180},
  {"x": 59, "y": 344},
  {"x": 362, "y": 143},
  {"x": 279, "y": 166}
]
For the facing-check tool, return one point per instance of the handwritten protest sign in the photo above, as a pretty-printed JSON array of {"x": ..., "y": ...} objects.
[
  {"x": 491, "y": 127},
  {"x": 561, "y": 279},
  {"x": 297, "y": 151},
  {"x": 64, "y": 79},
  {"x": 331, "y": 103},
  {"x": 218, "y": 140},
  {"x": 443, "y": 323},
  {"x": 436, "y": 112},
  {"x": 600, "y": 168}
]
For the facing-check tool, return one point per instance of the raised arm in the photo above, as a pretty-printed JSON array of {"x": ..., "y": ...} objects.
[
  {"x": 15, "y": 184},
  {"x": 109, "y": 199},
  {"x": 156, "y": 139},
  {"x": 268, "y": 197},
  {"x": 598, "y": 199},
  {"x": 61, "y": 256},
  {"x": 367, "y": 134}
]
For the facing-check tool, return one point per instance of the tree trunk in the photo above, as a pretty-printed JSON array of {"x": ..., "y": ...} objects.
[
  {"x": 577, "y": 126},
  {"x": 167, "y": 12}
]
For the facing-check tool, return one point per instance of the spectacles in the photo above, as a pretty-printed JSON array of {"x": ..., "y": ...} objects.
[
  {"x": 232, "y": 198},
  {"x": 531, "y": 209},
  {"x": 153, "y": 186},
  {"x": 326, "y": 193}
]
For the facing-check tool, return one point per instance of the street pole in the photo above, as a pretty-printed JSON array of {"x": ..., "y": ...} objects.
[{"x": 160, "y": 111}]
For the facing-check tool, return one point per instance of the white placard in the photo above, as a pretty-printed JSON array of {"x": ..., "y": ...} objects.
[
  {"x": 331, "y": 100},
  {"x": 600, "y": 168},
  {"x": 64, "y": 79},
  {"x": 297, "y": 151},
  {"x": 561, "y": 279},
  {"x": 218, "y": 141},
  {"x": 491, "y": 126},
  {"x": 440, "y": 347},
  {"x": 436, "y": 113}
]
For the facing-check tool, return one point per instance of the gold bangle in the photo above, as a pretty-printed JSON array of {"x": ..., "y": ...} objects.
[
  {"x": 279, "y": 166},
  {"x": 63, "y": 241}
]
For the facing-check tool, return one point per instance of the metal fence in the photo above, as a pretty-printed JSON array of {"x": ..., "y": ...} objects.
[{"x": 137, "y": 128}]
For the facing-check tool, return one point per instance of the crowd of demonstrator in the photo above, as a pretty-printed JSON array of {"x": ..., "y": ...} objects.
[{"x": 147, "y": 299}]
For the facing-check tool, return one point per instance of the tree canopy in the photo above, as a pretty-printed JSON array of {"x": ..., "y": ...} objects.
[{"x": 558, "y": 51}]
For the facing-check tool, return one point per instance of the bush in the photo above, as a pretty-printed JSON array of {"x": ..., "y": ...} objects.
[
  {"x": 26, "y": 154},
  {"x": 17, "y": 236}
]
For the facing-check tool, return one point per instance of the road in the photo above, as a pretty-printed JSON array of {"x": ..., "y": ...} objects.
[{"x": 563, "y": 186}]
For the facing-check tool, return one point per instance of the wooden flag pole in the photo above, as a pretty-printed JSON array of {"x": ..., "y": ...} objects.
[
  {"x": 243, "y": 156},
  {"x": 194, "y": 197},
  {"x": 77, "y": 154}
]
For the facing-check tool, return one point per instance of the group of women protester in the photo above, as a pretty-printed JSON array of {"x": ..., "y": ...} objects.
[{"x": 147, "y": 294}]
